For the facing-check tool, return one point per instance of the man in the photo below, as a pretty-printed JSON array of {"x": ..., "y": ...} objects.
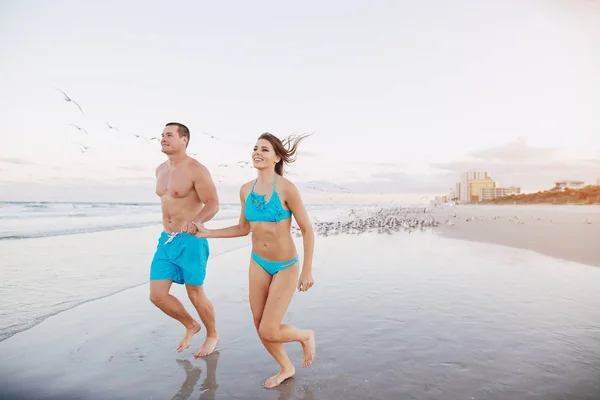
[{"x": 188, "y": 197}]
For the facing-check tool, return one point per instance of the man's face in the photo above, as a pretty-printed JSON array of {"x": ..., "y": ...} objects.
[{"x": 170, "y": 141}]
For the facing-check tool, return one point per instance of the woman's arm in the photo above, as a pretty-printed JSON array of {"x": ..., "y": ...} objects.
[
  {"x": 296, "y": 206},
  {"x": 241, "y": 229}
]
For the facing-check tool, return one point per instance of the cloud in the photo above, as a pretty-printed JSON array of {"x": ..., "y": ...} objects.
[
  {"x": 521, "y": 164},
  {"x": 137, "y": 168},
  {"x": 387, "y": 182},
  {"x": 16, "y": 161},
  {"x": 385, "y": 164},
  {"x": 307, "y": 153},
  {"x": 516, "y": 150},
  {"x": 513, "y": 163},
  {"x": 79, "y": 189}
]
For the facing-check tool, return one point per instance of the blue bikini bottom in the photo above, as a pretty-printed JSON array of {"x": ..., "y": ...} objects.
[{"x": 273, "y": 267}]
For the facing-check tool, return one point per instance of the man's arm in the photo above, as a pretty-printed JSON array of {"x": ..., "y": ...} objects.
[
  {"x": 157, "y": 170},
  {"x": 207, "y": 193},
  {"x": 241, "y": 229}
]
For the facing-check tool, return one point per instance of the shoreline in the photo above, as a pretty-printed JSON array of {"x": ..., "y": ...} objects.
[{"x": 569, "y": 234}]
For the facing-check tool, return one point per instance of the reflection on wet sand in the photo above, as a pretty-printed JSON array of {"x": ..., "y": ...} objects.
[
  {"x": 192, "y": 372},
  {"x": 286, "y": 391}
]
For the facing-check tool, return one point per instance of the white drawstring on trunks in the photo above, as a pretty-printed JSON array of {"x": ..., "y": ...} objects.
[{"x": 171, "y": 237}]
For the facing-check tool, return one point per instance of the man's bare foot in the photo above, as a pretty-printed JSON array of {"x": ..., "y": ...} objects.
[
  {"x": 276, "y": 380},
  {"x": 308, "y": 349},
  {"x": 208, "y": 347},
  {"x": 187, "y": 339}
]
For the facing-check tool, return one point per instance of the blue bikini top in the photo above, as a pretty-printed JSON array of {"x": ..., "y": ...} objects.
[{"x": 257, "y": 210}]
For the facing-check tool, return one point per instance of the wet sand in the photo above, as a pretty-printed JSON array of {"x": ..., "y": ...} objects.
[
  {"x": 401, "y": 316},
  {"x": 557, "y": 231}
]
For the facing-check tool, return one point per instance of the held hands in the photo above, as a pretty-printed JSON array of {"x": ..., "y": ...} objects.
[
  {"x": 306, "y": 281},
  {"x": 194, "y": 228},
  {"x": 201, "y": 231},
  {"x": 189, "y": 227}
]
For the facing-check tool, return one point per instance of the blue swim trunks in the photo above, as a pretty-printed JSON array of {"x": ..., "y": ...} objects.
[{"x": 181, "y": 258}]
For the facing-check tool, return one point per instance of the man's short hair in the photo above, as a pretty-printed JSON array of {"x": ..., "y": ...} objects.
[{"x": 182, "y": 130}]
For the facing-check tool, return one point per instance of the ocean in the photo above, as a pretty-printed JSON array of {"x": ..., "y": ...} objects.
[{"x": 55, "y": 256}]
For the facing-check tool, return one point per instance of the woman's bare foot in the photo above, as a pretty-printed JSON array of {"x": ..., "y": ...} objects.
[
  {"x": 276, "y": 380},
  {"x": 308, "y": 349},
  {"x": 208, "y": 347},
  {"x": 187, "y": 339}
]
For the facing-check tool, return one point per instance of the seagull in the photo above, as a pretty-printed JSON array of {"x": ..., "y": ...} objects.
[
  {"x": 315, "y": 183},
  {"x": 209, "y": 135},
  {"x": 142, "y": 137},
  {"x": 68, "y": 99},
  {"x": 219, "y": 178},
  {"x": 83, "y": 148},
  {"x": 80, "y": 128},
  {"x": 112, "y": 127}
]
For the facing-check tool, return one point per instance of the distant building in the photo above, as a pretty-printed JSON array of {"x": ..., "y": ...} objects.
[
  {"x": 468, "y": 192},
  {"x": 437, "y": 200},
  {"x": 598, "y": 181},
  {"x": 562, "y": 185},
  {"x": 451, "y": 194},
  {"x": 494, "y": 193}
]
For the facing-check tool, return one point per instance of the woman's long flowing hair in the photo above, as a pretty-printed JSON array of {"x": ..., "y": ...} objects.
[{"x": 286, "y": 148}]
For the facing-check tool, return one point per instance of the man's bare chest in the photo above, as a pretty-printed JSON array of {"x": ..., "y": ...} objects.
[{"x": 174, "y": 183}]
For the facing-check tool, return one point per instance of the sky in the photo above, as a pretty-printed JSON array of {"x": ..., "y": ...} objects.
[{"x": 401, "y": 96}]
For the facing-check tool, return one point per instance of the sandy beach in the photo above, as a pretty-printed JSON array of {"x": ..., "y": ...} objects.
[
  {"x": 566, "y": 232},
  {"x": 404, "y": 315},
  {"x": 399, "y": 313}
]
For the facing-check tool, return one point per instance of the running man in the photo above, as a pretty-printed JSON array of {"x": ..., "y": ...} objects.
[{"x": 188, "y": 196}]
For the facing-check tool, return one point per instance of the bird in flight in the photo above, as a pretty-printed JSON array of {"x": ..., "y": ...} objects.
[
  {"x": 142, "y": 137},
  {"x": 68, "y": 99},
  {"x": 209, "y": 135},
  {"x": 80, "y": 128},
  {"x": 112, "y": 127},
  {"x": 315, "y": 185}
]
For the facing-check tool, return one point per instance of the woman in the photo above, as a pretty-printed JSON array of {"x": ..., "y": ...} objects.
[{"x": 268, "y": 203}]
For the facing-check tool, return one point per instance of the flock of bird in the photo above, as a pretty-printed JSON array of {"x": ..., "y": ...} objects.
[
  {"x": 110, "y": 127},
  {"x": 82, "y": 147},
  {"x": 311, "y": 186},
  {"x": 392, "y": 219},
  {"x": 385, "y": 220}
]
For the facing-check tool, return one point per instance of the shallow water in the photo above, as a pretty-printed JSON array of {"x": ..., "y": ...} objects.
[
  {"x": 54, "y": 256},
  {"x": 404, "y": 316}
]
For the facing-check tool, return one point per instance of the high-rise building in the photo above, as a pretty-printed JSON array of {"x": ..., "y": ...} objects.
[
  {"x": 598, "y": 181},
  {"x": 471, "y": 183},
  {"x": 476, "y": 186}
]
